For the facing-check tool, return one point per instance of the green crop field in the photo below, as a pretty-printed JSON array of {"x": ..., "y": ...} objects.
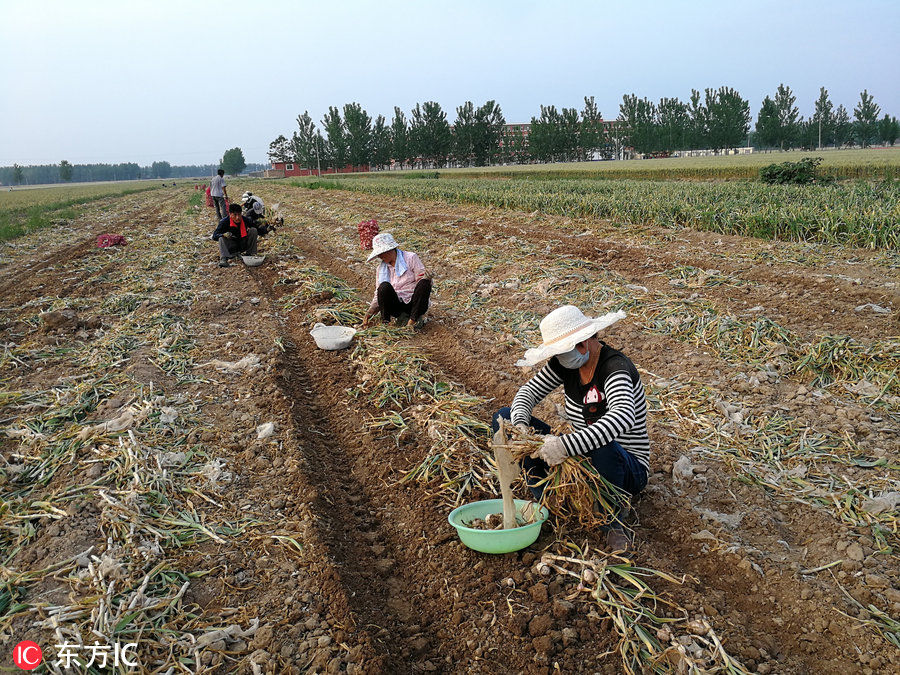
[
  {"x": 22, "y": 197},
  {"x": 856, "y": 163},
  {"x": 860, "y": 214},
  {"x": 23, "y": 209}
]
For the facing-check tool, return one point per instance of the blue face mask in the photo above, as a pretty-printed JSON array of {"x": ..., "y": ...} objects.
[{"x": 573, "y": 359}]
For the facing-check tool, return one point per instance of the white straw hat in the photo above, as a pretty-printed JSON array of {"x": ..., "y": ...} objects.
[
  {"x": 382, "y": 243},
  {"x": 563, "y": 328}
]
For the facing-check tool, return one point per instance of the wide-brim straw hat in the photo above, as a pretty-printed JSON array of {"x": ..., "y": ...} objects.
[
  {"x": 382, "y": 243},
  {"x": 563, "y": 328}
]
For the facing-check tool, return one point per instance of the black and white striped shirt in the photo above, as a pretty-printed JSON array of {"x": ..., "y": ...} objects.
[{"x": 611, "y": 407}]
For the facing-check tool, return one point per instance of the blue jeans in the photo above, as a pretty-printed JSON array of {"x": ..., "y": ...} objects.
[{"x": 612, "y": 461}]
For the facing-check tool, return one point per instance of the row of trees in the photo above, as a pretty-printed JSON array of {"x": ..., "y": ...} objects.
[
  {"x": 478, "y": 136},
  {"x": 779, "y": 123},
  {"x": 355, "y": 139},
  {"x": 720, "y": 118},
  {"x": 716, "y": 119},
  {"x": 232, "y": 161}
]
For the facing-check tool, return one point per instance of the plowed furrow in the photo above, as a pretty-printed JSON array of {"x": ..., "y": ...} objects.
[{"x": 467, "y": 360}]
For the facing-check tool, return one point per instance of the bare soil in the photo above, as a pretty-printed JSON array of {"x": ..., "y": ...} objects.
[{"x": 379, "y": 581}]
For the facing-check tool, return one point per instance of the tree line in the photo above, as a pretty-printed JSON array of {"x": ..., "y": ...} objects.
[
  {"x": 350, "y": 137},
  {"x": 65, "y": 172},
  {"x": 716, "y": 119},
  {"x": 721, "y": 119},
  {"x": 479, "y": 136},
  {"x": 780, "y": 125}
]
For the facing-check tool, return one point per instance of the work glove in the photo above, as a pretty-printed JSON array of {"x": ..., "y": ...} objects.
[
  {"x": 524, "y": 428},
  {"x": 228, "y": 235},
  {"x": 552, "y": 451}
]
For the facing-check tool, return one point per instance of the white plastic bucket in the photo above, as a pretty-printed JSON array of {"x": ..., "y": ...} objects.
[
  {"x": 332, "y": 337},
  {"x": 253, "y": 260}
]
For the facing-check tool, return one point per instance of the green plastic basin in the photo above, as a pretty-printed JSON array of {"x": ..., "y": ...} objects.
[{"x": 495, "y": 541}]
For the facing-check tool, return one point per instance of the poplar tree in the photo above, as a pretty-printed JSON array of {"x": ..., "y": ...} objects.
[
  {"x": 543, "y": 139},
  {"x": 399, "y": 138},
  {"x": 306, "y": 142},
  {"x": 823, "y": 119},
  {"x": 673, "y": 124},
  {"x": 767, "y": 124},
  {"x": 381, "y": 143},
  {"x": 591, "y": 136},
  {"x": 335, "y": 150},
  {"x": 638, "y": 117},
  {"x": 698, "y": 135},
  {"x": 568, "y": 134},
  {"x": 865, "y": 116},
  {"x": 487, "y": 130},
  {"x": 889, "y": 130},
  {"x": 788, "y": 116},
  {"x": 464, "y": 134},
  {"x": 432, "y": 132},
  {"x": 843, "y": 127},
  {"x": 728, "y": 118},
  {"x": 358, "y": 129}
]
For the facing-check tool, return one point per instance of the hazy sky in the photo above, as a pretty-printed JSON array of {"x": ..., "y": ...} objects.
[{"x": 183, "y": 81}]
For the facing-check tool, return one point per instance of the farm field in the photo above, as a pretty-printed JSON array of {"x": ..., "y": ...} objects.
[
  {"x": 852, "y": 163},
  {"x": 28, "y": 208},
  {"x": 859, "y": 214},
  {"x": 24, "y": 196},
  {"x": 144, "y": 497}
]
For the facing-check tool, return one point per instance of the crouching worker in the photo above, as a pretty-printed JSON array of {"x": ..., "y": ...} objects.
[
  {"x": 235, "y": 235},
  {"x": 402, "y": 286},
  {"x": 605, "y": 406},
  {"x": 253, "y": 210}
]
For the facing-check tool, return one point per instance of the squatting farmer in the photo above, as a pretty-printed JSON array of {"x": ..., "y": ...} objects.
[
  {"x": 402, "y": 286},
  {"x": 235, "y": 235},
  {"x": 253, "y": 209},
  {"x": 219, "y": 193},
  {"x": 605, "y": 406}
]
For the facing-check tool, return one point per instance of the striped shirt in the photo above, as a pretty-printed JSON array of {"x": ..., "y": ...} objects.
[{"x": 611, "y": 407}]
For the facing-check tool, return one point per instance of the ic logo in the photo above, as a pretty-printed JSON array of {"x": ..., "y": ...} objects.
[{"x": 27, "y": 655}]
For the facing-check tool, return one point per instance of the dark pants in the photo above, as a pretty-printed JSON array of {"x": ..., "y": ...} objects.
[
  {"x": 221, "y": 209},
  {"x": 228, "y": 248},
  {"x": 391, "y": 305},
  {"x": 612, "y": 461}
]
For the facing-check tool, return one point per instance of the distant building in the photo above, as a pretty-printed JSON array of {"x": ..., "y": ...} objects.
[
  {"x": 743, "y": 150},
  {"x": 285, "y": 169}
]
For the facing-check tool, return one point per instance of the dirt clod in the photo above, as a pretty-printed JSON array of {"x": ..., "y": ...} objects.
[{"x": 539, "y": 625}]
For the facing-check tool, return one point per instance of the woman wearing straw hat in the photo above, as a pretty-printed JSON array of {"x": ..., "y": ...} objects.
[
  {"x": 402, "y": 286},
  {"x": 605, "y": 405}
]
